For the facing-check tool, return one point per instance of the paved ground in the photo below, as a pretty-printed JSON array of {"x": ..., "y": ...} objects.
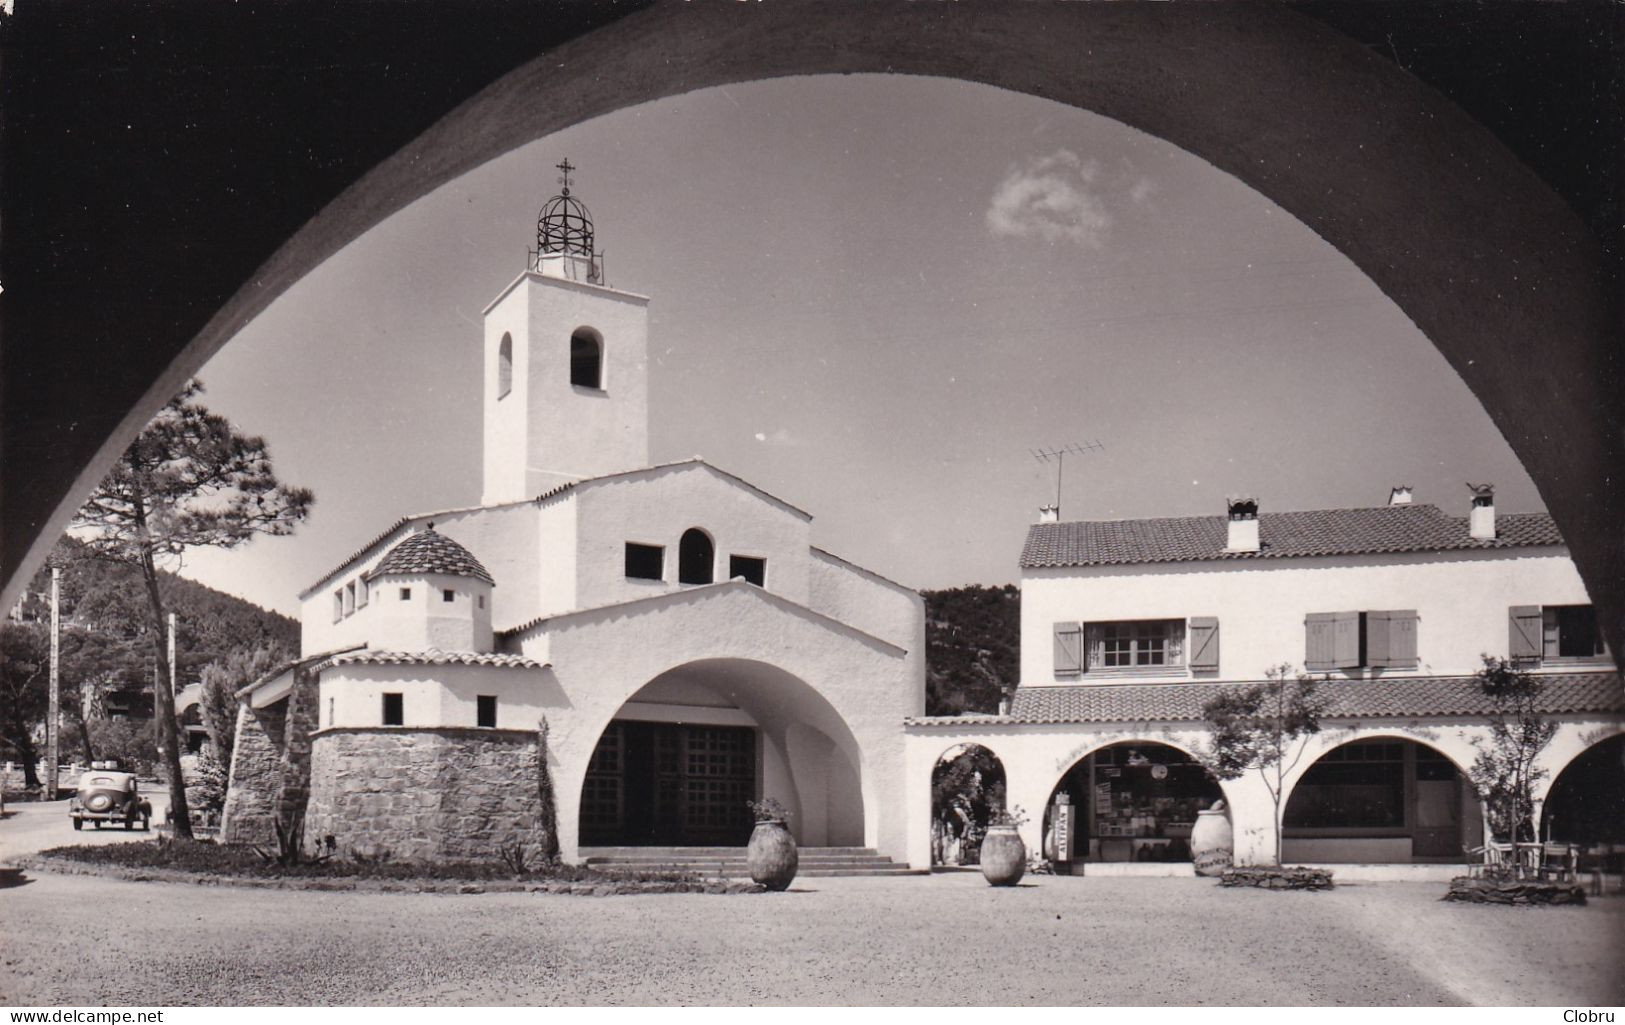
[
  {"x": 32, "y": 826},
  {"x": 946, "y": 939}
]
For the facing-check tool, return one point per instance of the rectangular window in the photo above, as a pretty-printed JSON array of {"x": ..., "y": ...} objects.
[
  {"x": 487, "y": 710},
  {"x": 479, "y": 599},
  {"x": 338, "y": 605},
  {"x": 1384, "y": 639},
  {"x": 645, "y": 562},
  {"x": 349, "y": 597},
  {"x": 406, "y": 594},
  {"x": 394, "y": 710},
  {"x": 363, "y": 590},
  {"x": 1571, "y": 631},
  {"x": 1135, "y": 644},
  {"x": 754, "y": 570},
  {"x": 448, "y": 595}
]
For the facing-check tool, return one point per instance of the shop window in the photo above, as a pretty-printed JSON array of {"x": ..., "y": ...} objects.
[
  {"x": 448, "y": 595},
  {"x": 487, "y": 710},
  {"x": 505, "y": 366},
  {"x": 752, "y": 569},
  {"x": 394, "y": 710},
  {"x": 1355, "y": 640},
  {"x": 645, "y": 562},
  {"x": 1556, "y": 632},
  {"x": 587, "y": 358},
  {"x": 695, "y": 557},
  {"x": 1359, "y": 785}
]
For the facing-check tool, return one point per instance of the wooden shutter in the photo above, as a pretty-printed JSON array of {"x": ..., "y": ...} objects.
[
  {"x": 1346, "y": 639},
  {"x": 1524, "y": 632},
  {"x": 1319, "y": 652},
  {"x": 1068, "y": 649},
  {"x": 1203, "y": 643},
  {"x": 1391, "y": 638}
]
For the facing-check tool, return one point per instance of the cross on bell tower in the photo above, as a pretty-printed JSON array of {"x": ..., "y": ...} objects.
[{"x": 564, "y": 179}]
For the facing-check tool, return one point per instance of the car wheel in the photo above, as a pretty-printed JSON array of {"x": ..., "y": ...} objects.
[{"x": 78, "y": 824}]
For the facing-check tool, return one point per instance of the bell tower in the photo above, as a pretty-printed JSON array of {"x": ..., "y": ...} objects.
[{"x": 566, "y": 364}]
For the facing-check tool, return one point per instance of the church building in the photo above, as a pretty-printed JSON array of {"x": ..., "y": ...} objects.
[{"x": 665, "y": 636}]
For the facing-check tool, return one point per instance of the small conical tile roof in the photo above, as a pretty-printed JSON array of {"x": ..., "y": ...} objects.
[{"x": 429, "y": 552}]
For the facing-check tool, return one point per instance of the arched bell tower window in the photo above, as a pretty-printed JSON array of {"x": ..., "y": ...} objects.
[
  {"x": 696, "y": 557},
  {"x": 587, "y": 358},
  {"x": 505, "y": 366}
]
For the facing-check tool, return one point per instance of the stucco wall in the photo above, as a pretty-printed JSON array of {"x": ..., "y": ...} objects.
[
  {"x": 426, "y": 795},
  {"x": 656, "y": 508},
  {"x": 784, "y": 666},
  {"x": 434, "y": 696},
  {"x": 851, "y": 594},
  {"x": 1461, "y": 599},
  {"x": 546, "y": 431}
]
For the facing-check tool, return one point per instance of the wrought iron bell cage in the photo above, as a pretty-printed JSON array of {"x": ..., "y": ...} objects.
[{"x": 564, "y": 226}]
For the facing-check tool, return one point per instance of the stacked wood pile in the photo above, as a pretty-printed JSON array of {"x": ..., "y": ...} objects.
[
  {"x": 1278, "y": 878},
  {"x": 1514, "y": 891}
]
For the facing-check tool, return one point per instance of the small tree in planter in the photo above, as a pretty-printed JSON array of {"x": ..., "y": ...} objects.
[
  {"x": 1264, "y": 728},
  {"x": 1504, "y": 772}
]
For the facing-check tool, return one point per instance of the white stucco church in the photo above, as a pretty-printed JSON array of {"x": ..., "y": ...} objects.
[{"x": 686, "y": 645}]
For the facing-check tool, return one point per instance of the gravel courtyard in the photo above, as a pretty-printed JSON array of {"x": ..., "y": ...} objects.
[{"x": 945, "y": 939}]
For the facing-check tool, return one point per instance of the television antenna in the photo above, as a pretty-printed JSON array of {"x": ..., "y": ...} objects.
[{"x": 1058, "y": 454}]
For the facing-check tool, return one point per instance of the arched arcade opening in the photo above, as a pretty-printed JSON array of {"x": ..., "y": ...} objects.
[
  {"x": 968, "y": 785},
  {"x": 1586, "y": 804},
  {"x": 1381, "y": 800},
  {"x": 1132, "y": 801},
  {"x": 680, "y": 759}
]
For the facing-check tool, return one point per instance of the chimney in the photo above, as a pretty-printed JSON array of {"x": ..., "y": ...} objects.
[
  {"x": 1049, "y": 514},
  {"x": 1243, "y": 536},
  {"x": 1481, "y": 518},
  {"x": 1400, "y": 495}
]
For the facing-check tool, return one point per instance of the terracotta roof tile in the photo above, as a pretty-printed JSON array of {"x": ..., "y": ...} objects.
[
  {"x": 432, "y": 657},
  {"x": 1395, "y": 528},
  {"x": 429, "y": 552},
  {"x": 1564, "y": 693}
]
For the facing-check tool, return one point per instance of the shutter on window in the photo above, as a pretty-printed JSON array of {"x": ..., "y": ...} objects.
[
  {"x": 1346, "y": 640},
  {"x": 1318, "y": 646},
  {"x": 1068, "y": 649},
  {"x": 1524, "y": 632},
  {"x": 1204, "y": 643},
  {"x": 1391, "y": 638}
]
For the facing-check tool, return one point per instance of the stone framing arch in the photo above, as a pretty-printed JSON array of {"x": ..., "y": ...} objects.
[{"x": 1427, "y": 202}]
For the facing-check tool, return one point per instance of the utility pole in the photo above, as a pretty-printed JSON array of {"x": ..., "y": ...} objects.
[
  {"x": 54, "y": 710},
  {"x": 1058, "y": 457},
  {"x": 174, "y": 684}
]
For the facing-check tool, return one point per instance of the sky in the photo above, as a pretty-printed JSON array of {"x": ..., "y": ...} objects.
[{"x": 873, "y": 296}]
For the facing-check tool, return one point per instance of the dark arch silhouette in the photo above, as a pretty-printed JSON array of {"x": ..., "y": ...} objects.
[
  {"x": 586, "y": 358},
  {"x": 1442, "y": 215},
  {"x": 505, "y": 365},
  {"x": 1586, "y": 804},
  {"x": 1133, "y": 800},
  {"x": 968, "y": 784}
]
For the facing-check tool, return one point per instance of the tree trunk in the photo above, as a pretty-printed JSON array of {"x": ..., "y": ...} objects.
[
  {"x": 25, "y": 749},
  {"x": 164, "y": 694}
]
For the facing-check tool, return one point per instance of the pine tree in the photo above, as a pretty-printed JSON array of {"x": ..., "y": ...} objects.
[{"x": 189, "y": 480}]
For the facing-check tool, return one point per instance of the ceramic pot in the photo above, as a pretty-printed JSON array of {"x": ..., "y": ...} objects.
[
  {"x": 1004, "y": 856},
  {"x": 1210, "y": 842},
  {"x": 772, "y": 855}
]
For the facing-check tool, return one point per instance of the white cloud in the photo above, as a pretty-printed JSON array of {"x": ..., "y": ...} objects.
[{"x": 1062, "y": 198}]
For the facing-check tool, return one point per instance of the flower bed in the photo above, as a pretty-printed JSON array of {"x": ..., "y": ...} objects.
[
  {"x": 1473, "y": 890},
  {"x": 1289, "y": 878},
  {"x": 205, "y": 862}
]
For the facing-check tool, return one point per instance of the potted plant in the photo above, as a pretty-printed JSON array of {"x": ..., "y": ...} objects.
[
  {"x": 771, "y": 855},
  {"x": 1004, "y": 856}
]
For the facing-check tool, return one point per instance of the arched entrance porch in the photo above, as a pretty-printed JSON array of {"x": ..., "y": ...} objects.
[
  {"x": 968, "y": 784},
  {"x": 679, "y": 759},
  {"x": 1381, "y": 800},
  {"x": 1586, "y": 804},
  {"x": 1130, "y": 801}
]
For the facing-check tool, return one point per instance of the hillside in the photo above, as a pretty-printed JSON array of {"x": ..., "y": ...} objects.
[{"x": 972, "y": 648}]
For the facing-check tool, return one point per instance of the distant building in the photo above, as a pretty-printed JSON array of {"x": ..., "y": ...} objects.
[
  {"x": 1129, "y": 627},
  {"x": 686, "y": 645}
]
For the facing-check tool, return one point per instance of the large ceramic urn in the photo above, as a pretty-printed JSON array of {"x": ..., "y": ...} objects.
[
  {"x": 1004, "y": 856},
  {"x": 1211, "y": 844},
  {"x": 772, "y": 855}
]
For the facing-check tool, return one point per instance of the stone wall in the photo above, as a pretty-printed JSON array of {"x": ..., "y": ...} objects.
[
  {"x": 435, "y": 794},
  {"x": 303, "y": 708},
  {"x": 256, "y": 775}
]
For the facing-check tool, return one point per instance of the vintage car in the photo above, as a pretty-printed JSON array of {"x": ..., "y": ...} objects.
[{"x": 108, "y": 795}]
